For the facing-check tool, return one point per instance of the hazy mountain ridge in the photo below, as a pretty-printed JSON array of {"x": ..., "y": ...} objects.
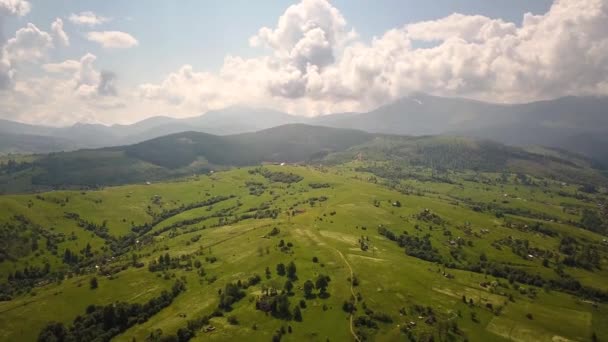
[
  {"x": 577, "y": 124},
  {"x": 190, "y": 153}
]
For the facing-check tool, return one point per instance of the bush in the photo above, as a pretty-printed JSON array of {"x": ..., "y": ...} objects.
[
  {"x": 94, "y": 284},
  {"x": 233, "y": 320}
]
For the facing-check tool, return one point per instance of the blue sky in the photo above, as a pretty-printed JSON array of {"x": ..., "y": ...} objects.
[
  {"x": 310, "y": 57},
  {"x": 202, "y": 33}
]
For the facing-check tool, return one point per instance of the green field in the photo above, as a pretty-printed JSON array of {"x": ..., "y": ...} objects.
[{"x": 334, "y": 214}]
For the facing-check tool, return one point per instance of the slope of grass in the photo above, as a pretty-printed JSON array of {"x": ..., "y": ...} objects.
[{"x": 330, "y": 230}]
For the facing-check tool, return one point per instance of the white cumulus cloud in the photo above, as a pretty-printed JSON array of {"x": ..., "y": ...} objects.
[
  {"x": 69, "y": 65},
  {"x": 112, "y": 39},
  {"x": 87, "y": 18},
  {"x": 9, "y": 8},
  {"x": 14, "y": 7},
  {"x": 59, "y": 35},
  {"x": 313, "y": 62},
  {"x": 29, "y": 44}
]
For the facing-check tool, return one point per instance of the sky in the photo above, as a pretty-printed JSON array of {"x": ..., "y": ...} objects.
[{"x": 68, "y": 61}]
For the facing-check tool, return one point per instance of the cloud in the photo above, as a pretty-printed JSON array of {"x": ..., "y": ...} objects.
[
  {"x": 471, "y": 28},
  {"x": 59, "y": 35},
  {"x": 106, "y": 86},
  {"x": 9, "y": 8},
  {"x": 87, "y": 18},
  {"x": 86, "y": 77},
  {"x": 14, "y": 7},
  {"x": 307, "y": 40},
  {"x": 317, "y": 65},
  {"x": 113, "y": 39},
  {"x": 30, "y": 44},
  {"x": 7, "y": 74},
  {"x": 73, "y": 90},
  {"x": 312, "y": 62},
  {"x": 306, "y": 32},
  {"x": 69, "y": 65}
]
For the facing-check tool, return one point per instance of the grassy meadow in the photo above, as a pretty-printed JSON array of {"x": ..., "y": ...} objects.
[{"x": 326, "y": 223}]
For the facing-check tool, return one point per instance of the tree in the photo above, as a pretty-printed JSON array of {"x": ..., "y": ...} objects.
[
  {"x": 268, "y": 273},
  {"x": 483, "y": 257},
  {"x": 591, "y": 221},
  {"x": 94, "y": 283},
  {"x": 321, "y": 284},
  {"x": 184, "y": 334},
  {"x": 280, "y": 307},
  {"x": 473, "y": 316},
  {"x": 348, "y": 306},
  {"x": 315, "y": 259},
  {"x": 288, "y": 286},
  {"x": 291, "y": 271},
  {"x": 281, "y": 269},
  {"x": 297, "y": 314},
  {"x": 53, "y": 332},
  {"x": 308, "y": 287}
]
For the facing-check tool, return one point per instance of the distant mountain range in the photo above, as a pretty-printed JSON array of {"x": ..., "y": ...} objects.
[
  {"x": 187, "y": 153},
  {"x": 576, "y": 124}
]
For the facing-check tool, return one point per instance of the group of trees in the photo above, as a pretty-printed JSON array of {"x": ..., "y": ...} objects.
[
  {"x": 590, "y": 220},
  {"x": 165, "y": 262},
  {"x": 320, "y": 284},
  {"x": 230, "y": 295},
  {"x": 20, "y": 236},
  {"x": 167, "y": 213},
  {"x": 579, "y": 255},
  {"x": 261, "y": 214},
  {"x": 277, "y": 176},
  {"x": 564, "y": 283},
  {"x": 278, "y": 306},
  {"x": 102, "y": 323},
  {"x": 524, "y": 249},
  {"x": 420, "y": 248},
  {"x": 255, "y": 188},
  {"x": 100, "y": 230},
  {"x": 13, "y": 166},
  {"x": 587, "y": 256},
  {"x": 289, "y": 270},
  {"x": 428, "y": 216},
  {"x": 23, "y": 280}
]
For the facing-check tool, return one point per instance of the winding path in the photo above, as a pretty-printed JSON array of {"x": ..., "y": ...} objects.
[{"x": 352, "y": 291}]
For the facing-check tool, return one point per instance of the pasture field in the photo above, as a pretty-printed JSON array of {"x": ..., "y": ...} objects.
[{"x": 469, "y": 256}]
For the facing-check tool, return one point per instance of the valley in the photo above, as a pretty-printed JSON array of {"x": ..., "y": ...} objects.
[
  {"x": 467, "y": 256},
  {"x": 304, "y": 170}
]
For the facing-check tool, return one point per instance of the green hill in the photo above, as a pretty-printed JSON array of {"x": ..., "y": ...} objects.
[
  {"x": 194, "y": 152},
  {"x": 342, "y": 252},
  {"x": 443, "y": 153},
  {"x": 177, "y": 155}
]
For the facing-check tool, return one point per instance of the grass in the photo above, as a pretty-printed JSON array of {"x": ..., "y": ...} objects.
[{"x": 389, "y": 279}]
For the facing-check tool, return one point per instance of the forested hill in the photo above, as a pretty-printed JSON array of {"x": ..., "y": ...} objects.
[
  {"x": 194, "y": 152},
  {"x": 576, "y": 124},
  {"x": 448, "y": 154},
  {"x": 288, "y": 143},
  {"x": 177, "y": 155}
]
